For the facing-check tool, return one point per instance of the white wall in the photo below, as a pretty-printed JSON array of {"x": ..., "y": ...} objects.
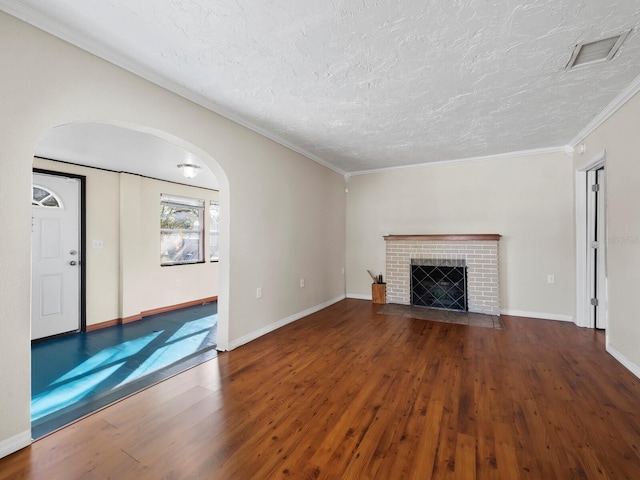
[
  {"x": 282, "y": 215},
  {"x": 528, "y": 200},
  {"x": 619, "y": 136}
]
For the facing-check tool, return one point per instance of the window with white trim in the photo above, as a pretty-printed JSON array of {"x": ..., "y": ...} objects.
[
  {"x": 214, "y": 231},
  {"x": 181, "y": 221}
]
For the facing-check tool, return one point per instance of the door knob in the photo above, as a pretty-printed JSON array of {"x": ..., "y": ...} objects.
[{"x": 73, "y": 262}]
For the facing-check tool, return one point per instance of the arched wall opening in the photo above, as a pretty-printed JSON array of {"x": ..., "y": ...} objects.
[
  {"x": 124, "y": 172},
  {"x": 127, "y": 168}
]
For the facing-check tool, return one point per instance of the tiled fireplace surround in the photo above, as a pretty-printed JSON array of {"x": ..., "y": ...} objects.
[{"x": 479, "y": 251}]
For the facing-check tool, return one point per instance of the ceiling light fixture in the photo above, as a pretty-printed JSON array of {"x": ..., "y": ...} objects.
[
  {"x": 189, "y": 170},
  {"x": 601, "y": 50}
]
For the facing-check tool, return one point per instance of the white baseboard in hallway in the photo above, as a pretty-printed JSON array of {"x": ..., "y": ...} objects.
[
  {"x": 281, "y": 323},
  {"x": 629, "y": 365},
  {"x": 540, "y": 315},
  {"x": 15, "y": 443},
  {"x": 359, "y": 296}
]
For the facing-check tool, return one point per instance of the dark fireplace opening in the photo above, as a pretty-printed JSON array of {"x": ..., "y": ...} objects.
[{"x": 439, "y": 284}]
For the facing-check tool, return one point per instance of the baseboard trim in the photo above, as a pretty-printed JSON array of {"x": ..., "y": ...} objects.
[
  {"x": 281, "y": 323},
  {"x": 15, "y": 443},
  {"x": 147, "y": 313},
  {"x": 108, "y": 323},
  {"x": 628, "y": 364},
  {"x": 359, "y": 296},
  {"x": 178, "y": 306},
  {"x": 539, "y": 315},
  {"x": 132, "y": 318}
]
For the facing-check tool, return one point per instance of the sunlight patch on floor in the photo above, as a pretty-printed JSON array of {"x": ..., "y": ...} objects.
[
  {"x": 64, "y": 395},
  {"x": 140, "y": 356}
]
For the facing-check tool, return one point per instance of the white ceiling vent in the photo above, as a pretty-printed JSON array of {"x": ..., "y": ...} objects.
[{"x": 586, "y": 53}]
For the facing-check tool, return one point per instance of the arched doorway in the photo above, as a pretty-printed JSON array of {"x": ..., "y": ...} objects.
[{"x": 122, "y": 203}]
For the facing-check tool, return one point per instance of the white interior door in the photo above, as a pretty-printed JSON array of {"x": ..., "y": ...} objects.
[{"x": 55, "y": 254}]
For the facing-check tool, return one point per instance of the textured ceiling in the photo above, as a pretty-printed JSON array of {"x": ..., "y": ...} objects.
[{"x": 368, "y": 84}]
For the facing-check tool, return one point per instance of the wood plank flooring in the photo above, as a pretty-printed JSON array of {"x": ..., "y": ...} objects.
[{"x": 350, "y": 394}]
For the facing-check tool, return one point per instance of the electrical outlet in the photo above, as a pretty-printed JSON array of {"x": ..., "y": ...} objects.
[
  {"x": 342, "y": 270},
  {"x": 178, "y": 283},
  {"x": 302, "y": 283},
  {"x": 551, "y": 279},
  {"x": 259, "y": 292}
]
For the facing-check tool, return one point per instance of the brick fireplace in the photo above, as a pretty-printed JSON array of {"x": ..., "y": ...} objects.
[{"x": 479, "y": 252}]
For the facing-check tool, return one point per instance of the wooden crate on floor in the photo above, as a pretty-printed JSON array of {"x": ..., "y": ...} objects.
[{"x": 379, "y": 292}]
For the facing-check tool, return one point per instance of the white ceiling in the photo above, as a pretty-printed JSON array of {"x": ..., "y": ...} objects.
[
  {"x": 122, "y": 150},
  {"x": 368, "y": 84}
]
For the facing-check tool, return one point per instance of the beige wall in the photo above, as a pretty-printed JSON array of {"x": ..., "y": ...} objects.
[
  {"x": 150, "y": 286},
  {"x": 528, "y": 200},
  {"x": 619, "y": 136},
  {"x": 282, "y": 215}
]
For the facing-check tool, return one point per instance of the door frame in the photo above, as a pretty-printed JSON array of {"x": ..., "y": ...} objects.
[
  {"x": 598, "y": 264},
  {"x": 584, "y": 318},
  {"x": 82, "y": 242}
]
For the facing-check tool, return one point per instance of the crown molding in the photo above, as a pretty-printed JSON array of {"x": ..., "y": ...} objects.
[
  {"x": 603, "y": 116},
  {"x": 521, "y": 153},
  {"x": 42, "y": 22}
]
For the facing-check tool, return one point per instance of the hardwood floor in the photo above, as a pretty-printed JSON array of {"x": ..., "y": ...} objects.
[{"x": 347, "y": 393}]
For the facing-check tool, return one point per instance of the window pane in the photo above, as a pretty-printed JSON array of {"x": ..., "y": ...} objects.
[
  {"x": 214, "y": 247},
  {"x": 39, "y": 193},
  {"x": 181, "y": 232},
  {"x": 179, "y": 218},
  {"x": 50, "y": 202},
  {"x": 180, "y": 247},
  {"x": 44, "y": 198},
  {"x": 214, "y": 231}
]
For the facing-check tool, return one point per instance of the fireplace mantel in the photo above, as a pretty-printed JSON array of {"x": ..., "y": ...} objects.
[{"x": 456, "y": 237}]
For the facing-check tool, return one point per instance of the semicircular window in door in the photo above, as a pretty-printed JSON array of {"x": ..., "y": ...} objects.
[{"x": 43, "y": 197}]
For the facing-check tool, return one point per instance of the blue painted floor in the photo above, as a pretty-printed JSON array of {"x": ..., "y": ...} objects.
[{"x": 75, "y": 375}]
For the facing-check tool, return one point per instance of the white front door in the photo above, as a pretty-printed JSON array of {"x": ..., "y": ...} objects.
[{"x": 55, "y": 255}]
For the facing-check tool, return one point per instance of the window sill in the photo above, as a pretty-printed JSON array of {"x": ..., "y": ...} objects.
[{"x": 184, "y": 263}]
